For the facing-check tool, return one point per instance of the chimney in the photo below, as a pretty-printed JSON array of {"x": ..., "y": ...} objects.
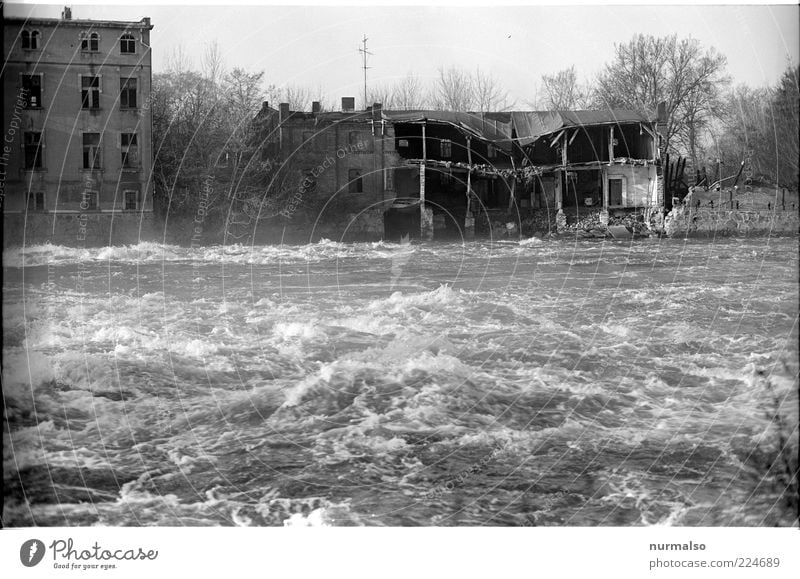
[
  {"x": 376, "y": 111},
  {"x": 284, "y": 111},
  {"x": 348, "y": 104},
  {"x": 316, "y": 107},
  {"x": 265, "y": 106},
  {"x": 661, "y": 112},
  {"x": 66, "y": 14}
]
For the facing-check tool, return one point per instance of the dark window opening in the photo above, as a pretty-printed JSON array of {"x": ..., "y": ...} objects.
[
  {"x": 356, "y": 184},
  {"x": 90, "y": 42},
  {"x": 30, "y": 40},
  {"x": 131, "y": 200},
  {"x": 90, "y": 92},
  {"x": 127, "y": 93},
  {"x": 130, "y": 150},
  {"x": 89, "y": 200},
  {"x": 127, "y": 44},
  {"x": 33, "y": 150},
  {"x": 491, "y": 152},
  {"x": 91, "y": 151},
  {"x": 32, "y": 85},
  {"x": 36, "y": 201},
  {"x": 446, "y": 148}
]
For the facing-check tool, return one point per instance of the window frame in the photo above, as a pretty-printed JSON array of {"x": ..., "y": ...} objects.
[
  {"x": 90, "y": 41},
  {"x": 126, "y": 90},
  {"x": 126, "y": 149},
  {"x": 22, "y": 77},
  {"x": 31, "y": 38},
  {"x": 446, "y": 149},
  {"x": 94, "y": 196},
  {"x": 38, "y": 154},
  {"x": 87, "y": 148},
  {"x": 96, "y": 91},
  {"x": 125, "y": 193},
  {"x": 127, "y": 38},
  {"x": 37, "y": 207}
]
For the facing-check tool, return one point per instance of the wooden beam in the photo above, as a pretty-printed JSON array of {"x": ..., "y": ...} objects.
[
  {"x": 554, "y": 141},
  {"x": 611, "y": 144}
]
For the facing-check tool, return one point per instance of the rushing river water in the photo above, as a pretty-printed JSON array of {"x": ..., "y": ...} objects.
[{"x": 502, "y": 383}]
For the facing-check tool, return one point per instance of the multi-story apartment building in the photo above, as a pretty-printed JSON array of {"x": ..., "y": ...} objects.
[{"x": 78, "y": 131}]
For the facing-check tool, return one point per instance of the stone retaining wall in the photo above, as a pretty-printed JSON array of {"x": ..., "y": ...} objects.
[{"x": 686, "y": 221}]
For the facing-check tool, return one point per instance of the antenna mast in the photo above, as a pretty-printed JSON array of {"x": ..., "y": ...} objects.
[{"x": 364, "y": 54}]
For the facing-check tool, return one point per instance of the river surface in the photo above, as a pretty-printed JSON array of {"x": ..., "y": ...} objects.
[{"x": 489, "y": 383}]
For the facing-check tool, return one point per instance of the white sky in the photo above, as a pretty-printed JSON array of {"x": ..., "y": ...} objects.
[{"x": 317, "y": 46}]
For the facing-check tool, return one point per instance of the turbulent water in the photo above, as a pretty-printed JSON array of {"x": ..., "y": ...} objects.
[{"x": 502, "y": 383}]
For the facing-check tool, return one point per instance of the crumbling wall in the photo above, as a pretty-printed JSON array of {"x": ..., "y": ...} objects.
[{"x": 684, "y": 221}]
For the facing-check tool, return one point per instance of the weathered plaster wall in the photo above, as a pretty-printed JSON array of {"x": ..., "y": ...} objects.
[{"x": 639, "y": 183}]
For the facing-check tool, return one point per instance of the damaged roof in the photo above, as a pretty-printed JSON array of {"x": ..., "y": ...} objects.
[
  {"x": 530, "y": 125},
  {"x": 492, "y": 127},
  {"x": 527, "y": 126}
]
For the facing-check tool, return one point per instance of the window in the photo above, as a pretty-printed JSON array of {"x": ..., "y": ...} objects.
[
  {"x": 90, "y": 92},
  {"x": 127, "y": 44},
  {"x": 90, "y": 42},
  {"x": 491, "y": 152},
  {"x": 446, "y": 146},
  {"x": 127, "y": 93},
  {"x": 354, "y": 137},
  {"x": 89, "y": 200},
  {"x": 32, "y": 85},
  {"x": 356, "y": 184},
  {"x": 131, "y": 200},
  {"x": 388, "y": 179},
  {"x": 36, "y": 201},
  {"x": 402, "y": 143},
  {"x": 30, "y": 40},
  {"x": 91, "y": 151},
  {"x": 33, "y": 150},
  {"x": 130, "y": 150}
]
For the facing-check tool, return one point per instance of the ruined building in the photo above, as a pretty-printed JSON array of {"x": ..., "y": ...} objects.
[
  {"x": 77, "y": 154},
  {"x": 439, "y": 174}
]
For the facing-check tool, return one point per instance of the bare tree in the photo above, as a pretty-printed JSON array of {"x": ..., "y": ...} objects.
[
  {"x": 488, "y": 94},
  {"x": 408, "y": 93},
  {"x": 563, "y": 91},
  {"x": 453, "y": 90},
  {"x": 211, "y": 62},
  {"x": 648, "y": 70},
  {"x": 178, "y": 61}
]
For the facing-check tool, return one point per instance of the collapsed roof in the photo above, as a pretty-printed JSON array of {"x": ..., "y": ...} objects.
[{"x": 523, "y": 127}]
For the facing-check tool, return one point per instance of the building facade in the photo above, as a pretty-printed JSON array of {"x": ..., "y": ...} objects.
[{"x": 77, "y": 117}]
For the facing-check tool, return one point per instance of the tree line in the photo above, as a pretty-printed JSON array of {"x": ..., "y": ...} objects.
[{"x": 202, "y": 113}]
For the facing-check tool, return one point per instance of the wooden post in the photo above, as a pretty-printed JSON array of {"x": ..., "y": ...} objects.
[
  {"x": 425, "y": 215},
  {"x": 422, "y": 175},
  {"x": 469, "y": 174}
]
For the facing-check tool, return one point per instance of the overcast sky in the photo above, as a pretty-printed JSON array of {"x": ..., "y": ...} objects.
[{"x": 317, "y": 46}]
